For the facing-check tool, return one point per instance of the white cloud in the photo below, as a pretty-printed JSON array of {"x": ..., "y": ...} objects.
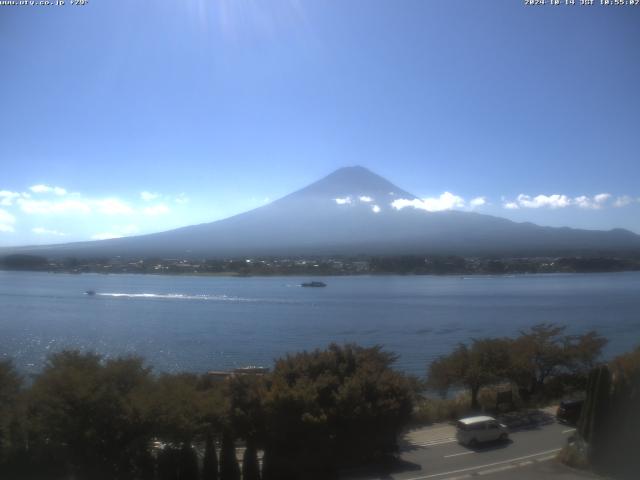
[
  {"x": 40, "y": 188},
  {"x": 446, "y": 201},
  {"x": 74, "y": 204},
  {"x": 558, "y": 201},
  {"x": 7, "y": 197},
  {"x": 595, "y": 203},
  {"x": 366, "y": 199},
  {"x": 45, "y": 207},
  {"x": 148, "y": 196},
  {"x": 106, "y": 236},
  {"x": 478, "y": 202},
  {"x": 375, "y": 209},
  {"x": 116, "y": 232},
  {"x": 6, "y": 221},
  {"x": 182, "y": 199},
  {"x": 343, "y": 201},
  {"x": 113, "y": 206},
  {"x": 540, "y": 201},
  {"x": 584, "y": 202},
  {"x": 623, "y": 201},
  {"x": 159, "y": 209},
  {"x": 45, "y": 231}
]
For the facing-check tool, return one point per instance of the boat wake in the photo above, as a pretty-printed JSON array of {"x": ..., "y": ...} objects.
[
  {"x": 183, "y": 296},
  {"x": 179, "y": 296}
]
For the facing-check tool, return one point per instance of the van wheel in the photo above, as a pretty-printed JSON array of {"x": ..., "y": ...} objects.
[
  {"x": 473, "y": 442},
  {"x": 503, "y": 437}
]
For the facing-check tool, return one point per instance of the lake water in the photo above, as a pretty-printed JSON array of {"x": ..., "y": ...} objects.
[{"x": 206, "y": 323}]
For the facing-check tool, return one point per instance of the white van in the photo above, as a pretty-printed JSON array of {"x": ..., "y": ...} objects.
[{"x": 473, "y": 430}]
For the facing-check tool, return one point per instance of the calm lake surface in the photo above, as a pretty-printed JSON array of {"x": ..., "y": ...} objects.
[{"x": 205, "y": 323}]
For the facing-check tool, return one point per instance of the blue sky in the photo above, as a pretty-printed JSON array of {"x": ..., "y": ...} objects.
[{"x": 213, "y": 108}]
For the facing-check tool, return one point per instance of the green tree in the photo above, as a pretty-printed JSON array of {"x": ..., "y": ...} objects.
[
  {"x": 593, "y": 419},
  {"x": 86, "y": 411},
  {"x": 229, "y": 469},
  {"x": 188, "y": 463},
  {"x": 169, "y": 463},
  {"x": 330, "y": 408},
  {"x": 544, "y": 351},
  {"x": 210, "y": 460},
  {"x": 537, "y": 354},
  {"x": 610, "y": 420},
  {"x": 250, "y": 466},
  {"x": 183, "y": 408},
  {"x": 482, "y": 363},
  {"x": 245, "y": 410},
  {"x": 10, "y": 386},
  {"x": 583, "y": 351}
]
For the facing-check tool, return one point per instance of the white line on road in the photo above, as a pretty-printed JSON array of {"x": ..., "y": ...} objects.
[
  {"x": 431, "y": 443},
  {"x": 477, "y": 467},
  {"x": 458, "y": 454},
  {"x": 569, "y": 430},
  {"x": 497, "y": 469},
  {"x": 545, "y": 459}
]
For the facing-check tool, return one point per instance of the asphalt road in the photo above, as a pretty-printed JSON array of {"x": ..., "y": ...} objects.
[{"x": 433, "y": 453}]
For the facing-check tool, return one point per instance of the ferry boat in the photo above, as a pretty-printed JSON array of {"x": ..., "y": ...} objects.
[{"x": 313, "y": 284}]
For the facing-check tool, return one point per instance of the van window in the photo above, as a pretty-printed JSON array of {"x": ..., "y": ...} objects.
[{"x": 463, "y": 426}]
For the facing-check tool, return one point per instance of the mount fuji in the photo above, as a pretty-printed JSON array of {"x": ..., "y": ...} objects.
[{"x": 350, "y": 212}]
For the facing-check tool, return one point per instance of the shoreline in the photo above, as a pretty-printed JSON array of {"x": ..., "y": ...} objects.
[{"x": 321, "y": 275}]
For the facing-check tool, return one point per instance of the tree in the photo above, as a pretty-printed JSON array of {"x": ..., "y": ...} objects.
[
  {"x": 182, "y": 407},
  {"x": 210, "y": 460},
  {"x": 245, "y": 411},
  {"x": 593, "y": 418},
  {"x": 538, "y": 353},
  {"x": 169, "y": 463},
  {"x": 484, "y": 362},
  {"x": 86, "y": 412},
  {"x": 20, "y": 261},
  {"x": 625, "y": 421},
  {"x": 331, "y": 408},
  {"x": 188, "y": 463},
  {"x": 10, "y": 385},
  {"x": 610, "y": 419},
  {"x": 250, "y": 466},
  {"x": 229, "y": 469},
  {"x": 544, "y": 351},
  {"x": 178, "y": 463},
  {"x": 583, "y": 351},
  {"x": 246, "y": 416}
]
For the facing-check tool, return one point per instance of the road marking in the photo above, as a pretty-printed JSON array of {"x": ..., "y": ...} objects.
[
  {"x": 545, "y": 459},
  {"x": 430, "y": 443},
  {"x": 569, "y": 430},
  {"x": 477, "y": 467},
  {"x": 458, "y": 454},
  {"x": 497, "y": 469},
  {"x": 516, "y": 465}
]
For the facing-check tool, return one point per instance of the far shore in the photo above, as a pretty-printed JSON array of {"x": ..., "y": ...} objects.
[{"x": 316, "y": 274}]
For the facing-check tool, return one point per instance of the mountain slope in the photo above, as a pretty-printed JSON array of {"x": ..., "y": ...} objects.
[{"x": 349, "y": 212}]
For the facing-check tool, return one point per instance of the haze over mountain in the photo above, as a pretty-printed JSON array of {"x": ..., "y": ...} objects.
[{"x": 350, "y": 212}]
